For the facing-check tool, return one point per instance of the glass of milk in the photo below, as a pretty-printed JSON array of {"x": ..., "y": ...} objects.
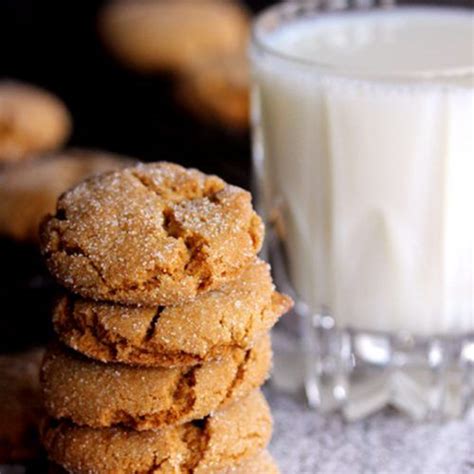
[{"x": 364, "y": 164}]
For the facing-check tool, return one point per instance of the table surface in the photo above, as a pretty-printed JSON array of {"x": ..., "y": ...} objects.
[{"x": 305, "y": 442}]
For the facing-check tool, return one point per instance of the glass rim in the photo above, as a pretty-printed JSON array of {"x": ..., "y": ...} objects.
[{"x": 293, "y": 10}]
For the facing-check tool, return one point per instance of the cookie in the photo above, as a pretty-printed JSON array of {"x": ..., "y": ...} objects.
[
  {"x": 209, "y": 327},
  {"x": 217, "y": 91},
  {"x": 156, "y": 35},
  {"x": 31, "y": 120},
  {"x": 153, "y": 234},
  {"x": 20, "y": 406},
  {"x": 263, "y": 463},
  {"x": 208, "y": 446},
  {"x": 29, "y": 190},
  {"x": 101, "y": 395}
]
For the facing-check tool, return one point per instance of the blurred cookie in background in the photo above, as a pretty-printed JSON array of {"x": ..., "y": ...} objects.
[
  {"x": 20, "y": 406},
  {"x": 29, "y": 190},
  {"x": 32, "y": 120},
  {"x": 217, "y": 91},
  {"x": 172, "y": 35}
]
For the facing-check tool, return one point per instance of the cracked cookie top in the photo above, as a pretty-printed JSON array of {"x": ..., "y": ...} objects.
[
  {"x": 152, "y": 234},
  {"x": 209, "y": 327},
  {"x": 207, "y": 446},
  {"x": 95, "y": 394}
]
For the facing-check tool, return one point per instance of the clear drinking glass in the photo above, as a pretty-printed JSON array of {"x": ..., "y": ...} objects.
[{"x": 365, "y": 181}]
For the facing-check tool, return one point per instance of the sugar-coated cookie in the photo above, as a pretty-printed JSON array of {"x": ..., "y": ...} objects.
[
  {"x": 263, "y": 463},
  {"x": 32, "y": 120},
  {"x": 218, "y": 90},
  {"x": 208, "y": 327},
  {"x": 151, "y": 35},
  {"x": 99, "y": 395},
  {"x": 20, "y": 406},
  {"x": 217, "y": 442},
  {"x": 29, "y": 190},
  {"x": 153, "y": 234}
]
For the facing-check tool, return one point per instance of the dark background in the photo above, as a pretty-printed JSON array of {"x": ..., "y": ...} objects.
[{"x": 55, "y": 44}]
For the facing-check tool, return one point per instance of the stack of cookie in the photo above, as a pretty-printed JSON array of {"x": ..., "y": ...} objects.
[{"x": 164, "y": 334}]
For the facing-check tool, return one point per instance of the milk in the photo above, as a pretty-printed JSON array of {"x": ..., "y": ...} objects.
[{"x": 368, "y": 164}]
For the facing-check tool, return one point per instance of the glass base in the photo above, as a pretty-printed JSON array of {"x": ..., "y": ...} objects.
[{"x": 360, "y": 372}]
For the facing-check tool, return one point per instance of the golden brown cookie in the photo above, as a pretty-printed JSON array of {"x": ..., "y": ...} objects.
[
  {"x": 217, "y": 91},
  {"x": 208, "y": 446},
  {"x": 20, "y": 406},
  {"x": 263, "y": 463},
  {"x": 209, "y": 327},
  {"x": 152, "y": 234},
  {"x": 100, "y": 395},
  {"x": 151, "y": 35},
  {"x": 31, "y": 120},
  {"x": 29, "y": 190}
]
